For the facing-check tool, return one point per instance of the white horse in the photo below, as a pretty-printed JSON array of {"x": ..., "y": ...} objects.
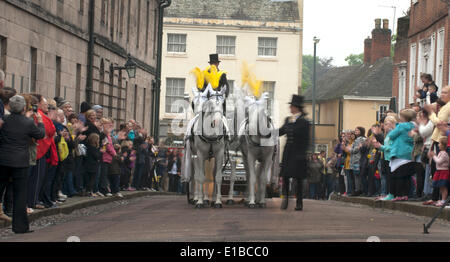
[
  {"x": 258, "y": 143},
  {"x": 209, "y": 131}
]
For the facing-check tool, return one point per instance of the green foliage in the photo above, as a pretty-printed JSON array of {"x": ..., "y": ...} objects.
[
  {"x": 323, "y": 65},
  {"x": 353, "y": 59}
]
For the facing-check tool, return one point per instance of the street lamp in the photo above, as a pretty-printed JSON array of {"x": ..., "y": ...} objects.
[
  {"x": 130, "y": 67},
  {"x": 316, "y": 41}
]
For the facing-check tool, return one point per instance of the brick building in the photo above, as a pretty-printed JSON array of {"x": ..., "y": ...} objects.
[
  {"x": 422, "y": 46},
  {"x": 44, "y": 48}
]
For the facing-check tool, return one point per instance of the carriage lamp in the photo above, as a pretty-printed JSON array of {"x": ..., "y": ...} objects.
[{"x": 130, "y": 66}]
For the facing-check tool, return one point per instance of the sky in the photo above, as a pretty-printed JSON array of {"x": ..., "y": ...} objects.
[{"x": 343, "y": 25}]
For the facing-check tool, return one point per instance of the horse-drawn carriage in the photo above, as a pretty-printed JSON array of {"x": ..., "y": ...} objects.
[{"x": 210, "y": 138}]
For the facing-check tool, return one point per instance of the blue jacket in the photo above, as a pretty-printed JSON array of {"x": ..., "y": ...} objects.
[{"x": 401, "y": 144}]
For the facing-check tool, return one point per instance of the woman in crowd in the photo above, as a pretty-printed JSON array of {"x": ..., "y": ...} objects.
[
  {"x": 425, "y": 130},
  {"x": 347, "y": 144},
  {"x": 115, "y": 171},
  {"x": 46, "y": 150},
  {"x": 15, "y": 137},
  {"x": 401, "y": 147},
  {"x": 356, "y": 157}
]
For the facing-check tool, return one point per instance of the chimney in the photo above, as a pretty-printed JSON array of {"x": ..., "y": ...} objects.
[
  {"x": 385, "y": 23},
  {"x": 367, "y": 50},
  {"x": 378, "y": 23},
  {"x": 381, "y": 41}
]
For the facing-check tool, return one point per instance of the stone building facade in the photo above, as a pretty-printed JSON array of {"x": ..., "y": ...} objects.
[
  {"x": 44, "y": 49},
  {"x": 266, "y": 34},
  {"x": 422, "y": 46}
]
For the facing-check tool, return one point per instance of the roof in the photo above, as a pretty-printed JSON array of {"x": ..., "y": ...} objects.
[
  {"x": 261, "y": 10},
  {"x": 363, "y": 81}
]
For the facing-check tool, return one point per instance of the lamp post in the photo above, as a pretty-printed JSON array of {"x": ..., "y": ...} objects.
[{"x": 316, "y": 41}]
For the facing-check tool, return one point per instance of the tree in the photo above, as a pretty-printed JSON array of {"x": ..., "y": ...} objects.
[
  {"x": 323, "y": 65},
  {"x": 354, "y": 60}
]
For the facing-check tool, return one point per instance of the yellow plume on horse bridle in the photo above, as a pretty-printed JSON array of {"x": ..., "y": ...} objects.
[
  {"x": 248, "y": 77},
  {"x": 200, "y": 78},
  {"x": 212, "y": 76}
]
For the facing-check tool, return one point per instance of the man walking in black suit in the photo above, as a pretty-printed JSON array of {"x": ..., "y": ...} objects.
[{"x": 294, "y": 163}]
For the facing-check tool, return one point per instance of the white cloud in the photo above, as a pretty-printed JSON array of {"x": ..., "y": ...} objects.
[{"x": 343, "y": 25}]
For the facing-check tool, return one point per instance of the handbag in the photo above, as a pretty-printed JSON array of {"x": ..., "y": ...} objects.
[
  {"x": 424, "y": 157},
  {"x": 82, "y": 149},
  {"x": 63, "y": 149}
]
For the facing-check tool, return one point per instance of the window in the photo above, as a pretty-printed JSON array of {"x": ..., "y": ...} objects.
[
  {"x": 78, "y": 88},
  {"x": 33, "y": 69},
  {"x": 138, "y": 23},
  {"x": 143, "y": 107},
  {"x": 269, "y": 86},
  {"x": 147, "y": 23},
  {"x": 58, "y": 77},
  {"x": 3, "y": 53},
  {"x": 382, "y": 110},
  {"x": 113, "y": 12},
  {"x": 176, "y": 43},
  {"x": 111, "y": 93},
  {"x": 401, "y": 88},
  {"x": 103, "y": 12},
  {"x": 122, "y": 8},
  {"x": 174, "y": 92},
  {"x": 135, "y": 101},
  {"x": 412, "y": 72},
  {"x": 267, "y": 46},
  {"x": 226, "y": 45},
  {"x": 101, "y": 85},
  {"x": 128, "y": 21},
  {"x": 155, "y": 31},
  {"x": 81, "y": 7},
  {"x": 440, "y": 58}
]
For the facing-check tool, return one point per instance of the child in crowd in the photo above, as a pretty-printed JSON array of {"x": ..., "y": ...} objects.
[
  {"x": 115, "y": 171},
  {"x": 92, "y": 161},
  {"x": 441, "y": 178}
]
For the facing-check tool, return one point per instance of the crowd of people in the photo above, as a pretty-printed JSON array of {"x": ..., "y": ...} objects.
[
  {"x": 49, "y": 153},
  {"x": 402, "y": 157}
]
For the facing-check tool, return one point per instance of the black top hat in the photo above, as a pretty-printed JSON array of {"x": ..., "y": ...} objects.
[
  {"x": 214, "y": 58},
  {"x": 297, "y": 101}
]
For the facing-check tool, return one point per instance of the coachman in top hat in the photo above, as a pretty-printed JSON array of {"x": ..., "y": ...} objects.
[{"x": 294, "y": 163}]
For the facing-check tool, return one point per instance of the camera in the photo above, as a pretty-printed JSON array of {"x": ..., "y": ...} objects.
[{"x": 35, "y": 108}]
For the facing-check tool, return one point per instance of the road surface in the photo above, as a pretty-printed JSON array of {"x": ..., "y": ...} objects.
[{"x": 170, "y": 218}]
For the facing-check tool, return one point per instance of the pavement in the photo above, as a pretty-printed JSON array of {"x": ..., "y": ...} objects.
[
  {"x": 76, "y": 203},
  {"x": 411, "y": 207},
  {"x": 168, "y": 218}
]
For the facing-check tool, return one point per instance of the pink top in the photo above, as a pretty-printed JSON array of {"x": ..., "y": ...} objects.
[
  {"x": 441, "y": 160},
  {"x": 110, "y": 151}
]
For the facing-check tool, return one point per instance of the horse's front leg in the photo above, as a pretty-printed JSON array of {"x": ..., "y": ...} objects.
[
  {"x": 251, "y": 181},
  {"x": 230, "y": 200},
  {"x": 218, "y": 179},
  {"x": 263, "y": 178},
  {"x": 199, "y": 176}
]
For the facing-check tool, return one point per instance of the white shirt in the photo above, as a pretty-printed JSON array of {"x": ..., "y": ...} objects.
[
  {"x": 174, "y": 168},
  {"x": 397, "y": 162}
]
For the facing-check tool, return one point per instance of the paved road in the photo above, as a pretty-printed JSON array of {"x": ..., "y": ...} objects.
[{"x": 169, "y": 218}]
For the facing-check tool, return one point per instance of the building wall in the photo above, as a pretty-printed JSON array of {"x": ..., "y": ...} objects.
[
  {"x": 361, "y": 113},
  {"x": 60, "y": 28},
  {"x": 201, "y": 41},
  {"x": 427, "y": 19}
]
